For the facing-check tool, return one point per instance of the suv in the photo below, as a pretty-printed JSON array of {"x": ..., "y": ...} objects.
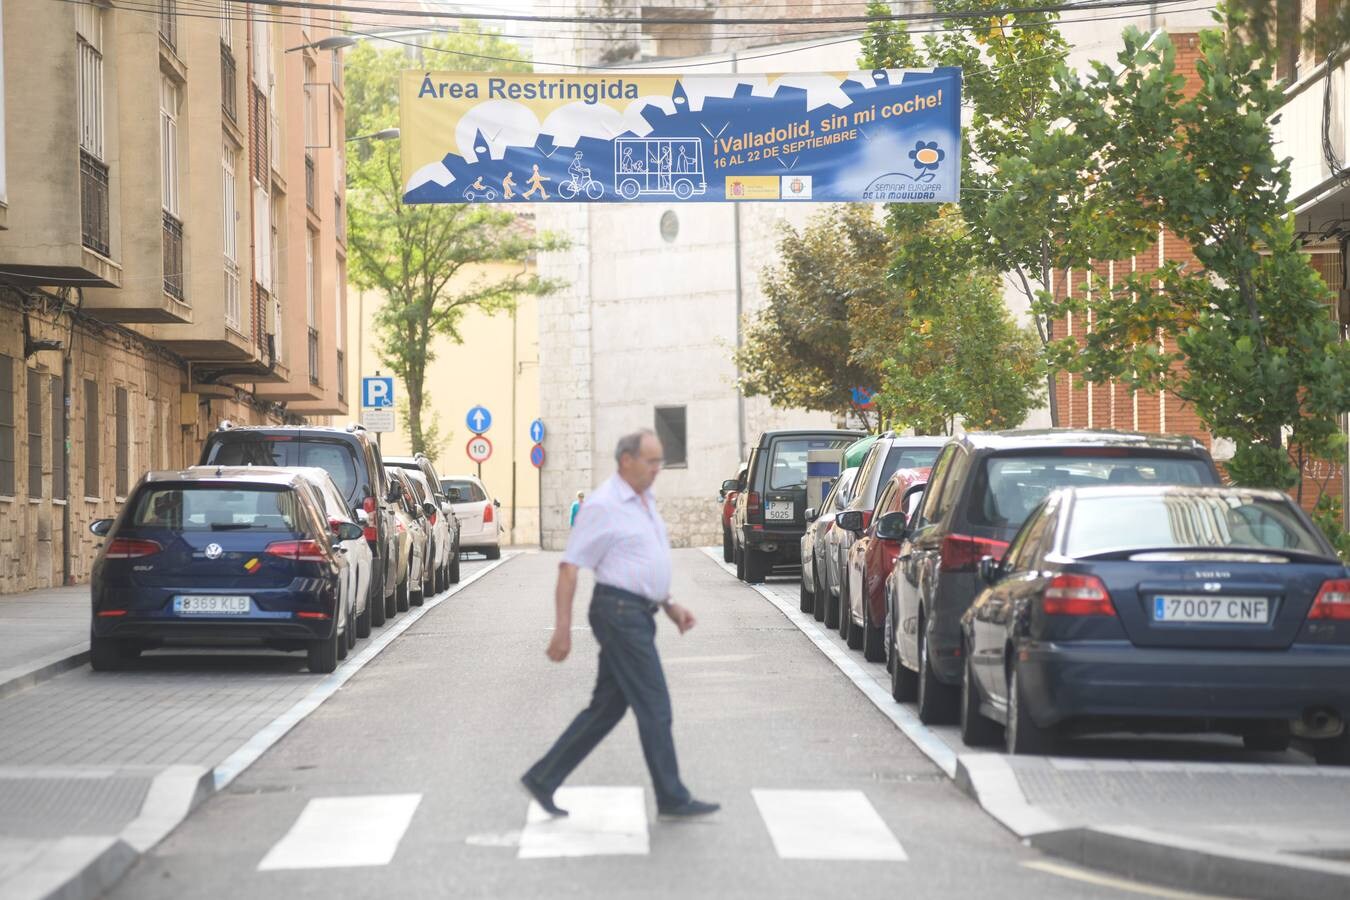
[
  {"x": 982, "y": 488},
  {"x": 770, "y": 516},
  {"x": 444, "y": 526},
  {"x": 352, "y": 458}
]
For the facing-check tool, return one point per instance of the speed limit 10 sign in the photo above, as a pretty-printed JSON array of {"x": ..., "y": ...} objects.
[{"x": 479, "y": 448}]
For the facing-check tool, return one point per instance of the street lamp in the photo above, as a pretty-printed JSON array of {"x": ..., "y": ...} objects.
[
  {"x": 332, "y": 42},
  {"x": 386, "y": 134}
]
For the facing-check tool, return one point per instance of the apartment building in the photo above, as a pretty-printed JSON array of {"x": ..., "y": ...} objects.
[{"x": 173, "y": 252}]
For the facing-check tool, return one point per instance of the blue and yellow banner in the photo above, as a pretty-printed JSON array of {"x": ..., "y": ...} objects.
[{"x": 889, "y": 135}]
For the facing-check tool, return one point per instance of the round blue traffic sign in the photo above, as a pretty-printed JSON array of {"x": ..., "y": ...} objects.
[
  {"x": 537, "y": 431},
  {"x": 537, "y": 456},
  {"x": 479, "y": 419}
]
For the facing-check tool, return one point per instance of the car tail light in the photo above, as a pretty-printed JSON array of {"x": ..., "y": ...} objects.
[
  {"x": 1333, "y": 601},
  {"x": 432, "y": 518},
  {"x": 487, "y": 513},
  {"x": 1077, "y": 595},
  {"x": 131, "y": 548},
  {"x": 311, "y": 615},
  {"x": 300, "y": 551},
  {"x": 867, "y": 519},
  {"x": 111, "y": 613},
  {"x": 962, "y": 554},
  {"x": 370, "y": 505},
  {"x": 753, "y": 508}
]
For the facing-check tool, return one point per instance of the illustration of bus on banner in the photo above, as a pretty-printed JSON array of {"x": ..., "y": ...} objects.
[{"x": 658, "y": 166}]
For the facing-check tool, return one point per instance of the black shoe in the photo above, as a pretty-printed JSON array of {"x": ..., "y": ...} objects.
[
  {"x": 542, "y": 797},
  {"x": 689, "y": 810}
]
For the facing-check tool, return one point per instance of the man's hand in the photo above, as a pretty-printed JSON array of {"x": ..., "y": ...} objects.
[
  {"x": 683, "y": 618},
  {"x": 560, "y": 644}
]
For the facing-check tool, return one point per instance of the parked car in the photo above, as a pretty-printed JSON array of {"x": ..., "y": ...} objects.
[
  {"x": 1208, "y": 608},
  {"x": 872, "y": 556},
  {"x": 445, "y": 527},
  {"x": 220, "y": 556},
  {"x": 813, "y": 547},
  {"x": 360, "y": 560},
  {"x": 770, "y": 516},
  {"x": 727, "y": 498},
  {"x": 350, "y": 456},
  {"x": 981, "y": 490},
  {"x": 442, "y": 533},
  {"x": 886, "y": 454},
  {"x": 479, "y": 528},
  {"x": 413, "y": 539}
]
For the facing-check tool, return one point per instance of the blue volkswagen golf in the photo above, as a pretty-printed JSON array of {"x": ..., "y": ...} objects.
[
  {"x": 1140, "y": 608},
  {"x": 220, "y": 557}
]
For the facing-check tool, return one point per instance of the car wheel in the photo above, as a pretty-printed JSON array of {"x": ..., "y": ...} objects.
[
  {"x": 727, "y": 548},
  {"x": 351, "y": 629},
  {"x": 110, "y": 654},
  {"x": 831, "y": 609},
  {"x": 976, "y": 730},
  {"x": 323, "y": 653},
  {"x": 853, "y": 632},
  {"x": 888, "y": 635},
  {"x": 363, "y": 620},
  {"x": 402, "y": 596},
  {"x": 345, "y": 638},
  {"x": 739, "y": 559},
  {"x": 873, "y": 641},
  {"x": 379, "y": 605},
  {"x": 845, "y": 611},
  {"x": 904, "y": 683},
  {"x": 454, "y": 568},
  {"x": 807, "y": 600},
  {"x": 493, "y": 552},
  {"x": 937, "y": 701},
  {"x": 756, "y": 566},
  {"x": 821, "y": 599},
  {"x": 1022, "y": 735}
]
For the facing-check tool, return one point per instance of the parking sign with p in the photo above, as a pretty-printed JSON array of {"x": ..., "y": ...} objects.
[{"x": 377, "y": 391}]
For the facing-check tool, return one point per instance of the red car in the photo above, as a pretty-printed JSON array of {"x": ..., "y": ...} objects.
[
  {"x": 872, "y": 555},
  {"x": 730, "y": 490}
]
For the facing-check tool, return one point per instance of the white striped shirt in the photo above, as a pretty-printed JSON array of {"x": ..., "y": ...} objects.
[{"x": 620, "y": 536}]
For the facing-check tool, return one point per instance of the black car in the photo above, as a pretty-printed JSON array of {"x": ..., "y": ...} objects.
[
  {"x": 770, "y": 516},
  {"x": 1214, "y": 609},
  {"x": 220, "y": 557},
  {"x": 980, "y": 491},
  {"x": 352, "y": 458}
]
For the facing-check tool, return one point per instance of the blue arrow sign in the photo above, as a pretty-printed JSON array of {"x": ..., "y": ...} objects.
[
  {"x": 479, "y": 419},
  {"x": 377, "y": 392},
  {"x": 537, "y": 431}
]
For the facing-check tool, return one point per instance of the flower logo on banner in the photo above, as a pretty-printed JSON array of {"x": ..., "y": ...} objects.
[{"x": 927, "y": 155}]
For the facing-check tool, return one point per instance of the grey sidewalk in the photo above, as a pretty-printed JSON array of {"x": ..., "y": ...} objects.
[
  {"x": 45, "y": 631},
  {"x": 1197, "y": 812}
]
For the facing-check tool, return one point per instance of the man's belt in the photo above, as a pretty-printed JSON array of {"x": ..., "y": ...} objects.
[{"x": 651, "y": 606}]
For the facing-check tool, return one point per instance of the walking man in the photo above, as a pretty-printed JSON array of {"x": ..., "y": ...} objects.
[
  {"x": 536, "y": 183},
  {"x": 621, "y": 537}
]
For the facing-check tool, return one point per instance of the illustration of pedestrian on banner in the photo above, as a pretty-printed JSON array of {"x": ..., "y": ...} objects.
[
  {"x": 536, "y": 182},
  {"x": 508, "y": 183},
  {"x": 580, "y": 182},
  {"x": 644, "y": 166},
  {"x": 479, "y": 191}
]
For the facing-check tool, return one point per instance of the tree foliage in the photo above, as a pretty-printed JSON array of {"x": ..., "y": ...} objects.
[{"x": 431, "y": 263}]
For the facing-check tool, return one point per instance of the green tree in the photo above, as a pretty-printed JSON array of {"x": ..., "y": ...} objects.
[
  {"x": 432, "y": 263},
  {"x": 1257, "y": 353}
]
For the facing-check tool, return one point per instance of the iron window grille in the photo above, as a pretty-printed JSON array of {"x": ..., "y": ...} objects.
[
  {"x": 173, "y": 256},
  {"x": 94, "y": 217}
]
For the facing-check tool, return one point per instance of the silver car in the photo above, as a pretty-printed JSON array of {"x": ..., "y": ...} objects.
[
  {"x": 813, "y": 543},
  {"x": 480, "y": 526},
  {"x": 441, "y": 536}
]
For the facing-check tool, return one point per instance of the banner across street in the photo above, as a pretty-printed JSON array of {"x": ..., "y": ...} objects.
[{"x": 889, "y": 135}]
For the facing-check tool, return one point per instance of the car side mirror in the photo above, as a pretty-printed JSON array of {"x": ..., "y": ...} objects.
[
  {"x": 891, "y": 527},
  {"x": 850, "y": 520},
  {"x": 349, "y": 531},
  {"x": 497, "y": 503},
  {"x": 991, "y": 570},
  {"x": 430, "y": 508},
  {"x": 731, "y": 484},
  {"x": 811, "y": 514},
  {"x": 394, "y": 493},
  {"x": 101, "y": 527}
]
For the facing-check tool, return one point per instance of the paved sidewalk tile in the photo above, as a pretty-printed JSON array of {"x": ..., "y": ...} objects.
[{"x": 37, "y": 624}]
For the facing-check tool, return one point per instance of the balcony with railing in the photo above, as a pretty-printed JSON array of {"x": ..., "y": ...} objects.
[
  {"x": 341, "y": 377},
  {"x": 228, "y": 85},
  {"x": 233, "y": 309},
  {"x": 94, "y": 216},
  {"x": 168, "y": 23},
  {"x": 309, "y": 181},
  {"x": 173, "y": 256},
  {"x": 313, "y": 355}
]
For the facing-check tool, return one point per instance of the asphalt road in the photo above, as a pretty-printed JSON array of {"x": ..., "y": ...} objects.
[{"x": 404, "y": 783}]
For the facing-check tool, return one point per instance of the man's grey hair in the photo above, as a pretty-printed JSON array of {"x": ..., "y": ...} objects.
[{"x": 629, "y": 443}]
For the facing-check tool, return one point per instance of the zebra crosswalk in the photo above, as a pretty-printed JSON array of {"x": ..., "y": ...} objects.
[{"x": 344, "y": 832}]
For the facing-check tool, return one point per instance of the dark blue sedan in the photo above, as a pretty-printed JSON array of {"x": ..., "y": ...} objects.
[
  {"x": 220, "y": 557},
  {"x": 1176, "y": 608}
]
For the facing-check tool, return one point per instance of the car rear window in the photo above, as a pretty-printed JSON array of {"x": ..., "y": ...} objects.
[
  {"x": 908, "y": 458},
  {"x": 1166, "y": 521},
  {"x": 337, "y": 458},
  {"x": 787, "y": 465},
  {"x": 216, "y": 508},
  {"x": 469, "y": 492},
  {"x": 1008, "y": 487}
]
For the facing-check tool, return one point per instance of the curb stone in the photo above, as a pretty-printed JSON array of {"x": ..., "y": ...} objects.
[{"x": 18, "y": 678}]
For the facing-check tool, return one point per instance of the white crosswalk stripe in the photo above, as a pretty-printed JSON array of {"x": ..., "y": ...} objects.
[
  {"x": 343, "y": 832},
  {"x": 826, "y": 825},
  {"x": 602, "y": 821}
]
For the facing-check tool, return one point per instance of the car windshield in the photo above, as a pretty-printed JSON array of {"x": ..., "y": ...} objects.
[
  {"x": 1007, "y": 488},
  {"x": 787, "y": 469},
  {"x": 1175, "y": 519},
  {"x": 216, "y": 508},
  {"x": 335, "y": 457},
  {"x": 469, "y": 492}
]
